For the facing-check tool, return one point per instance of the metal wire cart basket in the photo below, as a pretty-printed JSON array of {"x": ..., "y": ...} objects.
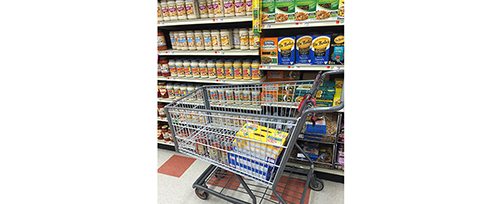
[{"x": 246, "y": 130}]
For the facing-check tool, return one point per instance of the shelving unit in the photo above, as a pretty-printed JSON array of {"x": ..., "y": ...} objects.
[
  {"x": 268, "y": 29},
  {"x": 235, "y": 19},
  {"x": 299, "y": 67},
  {"x": 301, "y": 24},
  {"x": 233, "y": 52},
  {"x": 206, "y": 80}
]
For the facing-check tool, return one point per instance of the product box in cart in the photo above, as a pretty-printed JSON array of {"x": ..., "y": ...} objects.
[{"x": 264, "y": 154}]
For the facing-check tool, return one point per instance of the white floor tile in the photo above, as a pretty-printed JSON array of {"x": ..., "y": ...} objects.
[{"x": 178, "y": 190}]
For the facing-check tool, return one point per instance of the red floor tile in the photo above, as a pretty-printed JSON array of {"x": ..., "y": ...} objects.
[
  {"x": 229, "y": 181},
  {"x": 291, "y": 190},
  {"x": 176, "y": 165}
]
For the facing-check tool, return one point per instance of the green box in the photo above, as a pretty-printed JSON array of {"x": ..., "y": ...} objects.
[
  {"x": 284, "y": 10},
  {"x": 326, "y": 9},
  {"x": 305, "y": 10},
  {"x": 268, "y": 10}
]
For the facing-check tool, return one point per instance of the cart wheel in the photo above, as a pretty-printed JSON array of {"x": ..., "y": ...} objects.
[
  {"x": 201, "y": 194},
  {"x": 316, "y": 184}
]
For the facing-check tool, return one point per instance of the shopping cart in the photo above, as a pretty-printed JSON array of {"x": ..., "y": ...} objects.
[{"x": 247, "y": 130}]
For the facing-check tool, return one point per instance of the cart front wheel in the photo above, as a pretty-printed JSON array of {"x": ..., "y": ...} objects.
[
  {"x": 316, "y": 184},
  {"x": 201, "y": 194}
]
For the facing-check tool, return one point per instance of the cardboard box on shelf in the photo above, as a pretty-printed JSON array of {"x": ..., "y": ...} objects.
[
  {"x": 326, "y": 9},
  {"x": 284, "y": 10},
  {"x": 286, "y": 50},
  {"x": 305, "y": 10},
  {"x": 269, "y": 50},
  {"x": 320, "y": 49}
]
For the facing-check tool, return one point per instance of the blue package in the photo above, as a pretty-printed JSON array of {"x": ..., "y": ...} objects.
[
  {"x": 286, "y": 50},
  {"x": 303, "y": 49},
  {"x": 320, "y": 49}
]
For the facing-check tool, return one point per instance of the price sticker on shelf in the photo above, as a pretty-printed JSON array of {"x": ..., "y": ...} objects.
[
  {"x": 289, "y": 67},
  {"x": 217, "y": 20},
  {"x": 329, "y": 67},
  {"x": 169, "y": 52}
]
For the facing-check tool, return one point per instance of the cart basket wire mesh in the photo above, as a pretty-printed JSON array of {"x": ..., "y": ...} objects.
[{"x": 246, "y": 129}]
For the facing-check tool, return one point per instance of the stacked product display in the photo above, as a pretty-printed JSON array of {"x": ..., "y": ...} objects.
[
  {"x": 303, "y": 49},
  {"x": 209, "y": 68},
  {"x": 216, "y": 39},
  {"x": 195, "y": 9},
  {"x": 279, "y": 11}
]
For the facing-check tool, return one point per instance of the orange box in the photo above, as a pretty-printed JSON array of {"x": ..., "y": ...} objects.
[{"x": 269, "y": 50}]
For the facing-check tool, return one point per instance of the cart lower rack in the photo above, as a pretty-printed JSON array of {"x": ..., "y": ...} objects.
[{"x": 248, "y": 130}]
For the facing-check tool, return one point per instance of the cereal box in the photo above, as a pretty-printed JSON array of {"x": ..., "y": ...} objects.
[
  {"x": 320, "y": 49},
  {"x": 286, "y": 50},
  {"x": 303, "y": 45},
  {"x": 269, "y": 50},
  {"x": 305, "y": 10},
  {"x": 326, "y": 9},
  {"x": 284, "y": 10},
  {"x": 268, "y": 10},
  {"x": 337, "y": 49}
]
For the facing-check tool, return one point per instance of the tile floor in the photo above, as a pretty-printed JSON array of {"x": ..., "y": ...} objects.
[{"x": 173, "y": 189}]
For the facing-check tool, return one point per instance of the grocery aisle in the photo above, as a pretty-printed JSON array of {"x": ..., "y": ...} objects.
[{"x": 173, "y": 189}]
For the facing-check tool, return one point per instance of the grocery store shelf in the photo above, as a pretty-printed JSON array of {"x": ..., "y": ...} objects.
[
  {"x": 162, "y": 120},
  {"x": 165, "y": 100},
  {"x": 206, "y": 80},
  {"x": 209, "y": 52},
  {"x": 165, "y": 143},
  {"x": 305, "y": 67},
  {"x": 235, "y": 19},
  {"x": 300, "y": 24},
  {"x": 318, "y": 169},
  {"x": 301, "y": 138}
]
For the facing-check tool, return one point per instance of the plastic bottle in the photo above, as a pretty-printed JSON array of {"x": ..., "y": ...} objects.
[
  {"x": 246, "y": 70},
  {"x": 248, "y": 7},
  {"x": 210, "y": 9},
  {"x": 229, "y": 8},
  {"x": 256, "y": 74},
  {"x": 173, "y": 41},
  {"x": 237, "y": 69},
  {"x": 255, "y": 96},
  {"x": 202, "y": 9},
  {"x": 228, "y": 69},
  {"x": 187, "y": 68},
  {"x": 207, "y": 39},
  {"x": 162, "y": 10},
  {"x": 171, "y": 5},
  {"x": 183, "y": 90},
  {"x": 181, "y": 10},
  {"x": 190, "y": 39},
  {"x": 217, "y": 6},
  {"x": 211, "y": 69},
  {"x": 191, "y": 9},
  {"x": 165, "y": 67},
  {"x": 239, "y": 7},
  {"x": 172, "y": 68},
  {"x": 204, "y": 72},
  {"x": 244, "y": 38},
  {"x": 182, "y": 43},
  {"x": 176, "y": 40},
  {"x": 226, "y": 39},
  {"x": 161, "y": 43},
  {"x": 220, "y": 69},
  {"x": 199, "y": 40},
  {"x": 195, "y": 69},
  {"x": 215, "y": 39},
  {"x": 251, "y": 39},
  {"x": 236, "y": 38},
  {"x": 179, "y": 68},
  {"x": 170, "y": 90}
]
